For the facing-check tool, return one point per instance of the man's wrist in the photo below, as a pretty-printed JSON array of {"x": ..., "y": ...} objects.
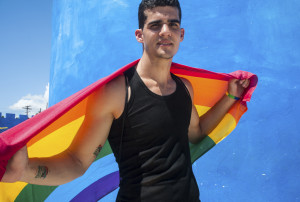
[{"x": 232, "y": 96}]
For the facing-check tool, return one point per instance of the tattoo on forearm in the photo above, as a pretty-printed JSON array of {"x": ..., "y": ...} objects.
[
  {"x": 42, "y": 172},
  {"x": 97, "y": 151}
]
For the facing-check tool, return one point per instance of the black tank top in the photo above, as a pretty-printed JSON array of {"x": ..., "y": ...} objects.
[{"x": 155, "y": 163}]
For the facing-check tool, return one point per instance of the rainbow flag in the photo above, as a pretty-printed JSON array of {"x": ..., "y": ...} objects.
[{"x": 52, "y": 131}]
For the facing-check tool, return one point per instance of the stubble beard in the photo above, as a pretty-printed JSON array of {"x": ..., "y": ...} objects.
[
  {"x": 162, "y": 54},
  {"x": 166, "y": 55}
]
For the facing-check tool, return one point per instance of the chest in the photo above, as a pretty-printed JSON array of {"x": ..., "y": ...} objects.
[{"x": 153, "y": 118}]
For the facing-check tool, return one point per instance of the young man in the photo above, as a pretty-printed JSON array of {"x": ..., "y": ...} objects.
[{"x": 156, "y": 121}]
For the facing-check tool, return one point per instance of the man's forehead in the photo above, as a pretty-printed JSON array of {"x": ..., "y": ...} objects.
[{"x": 162, "y": 12}]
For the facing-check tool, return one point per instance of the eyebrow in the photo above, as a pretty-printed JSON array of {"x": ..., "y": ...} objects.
[{"x": 160, "y": 21}]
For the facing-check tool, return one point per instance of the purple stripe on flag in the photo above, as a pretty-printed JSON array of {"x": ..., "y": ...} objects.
[{"x": 99, "y": 189}]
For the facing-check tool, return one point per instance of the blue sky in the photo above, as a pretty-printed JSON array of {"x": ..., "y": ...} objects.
[{"x": 25, "y": 48}]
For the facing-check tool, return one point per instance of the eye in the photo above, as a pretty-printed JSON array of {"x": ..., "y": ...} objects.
[
  {"x": 174, "y": 25},
  {"x": 154, "y": 26}
]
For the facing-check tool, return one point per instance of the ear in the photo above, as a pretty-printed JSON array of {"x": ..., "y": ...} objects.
[
  {"x": 139, "y": 35},
  {"x": 181, "y": 34}
]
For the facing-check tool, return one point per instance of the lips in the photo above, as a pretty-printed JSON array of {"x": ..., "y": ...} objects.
[{"x": 165, "y": 43}]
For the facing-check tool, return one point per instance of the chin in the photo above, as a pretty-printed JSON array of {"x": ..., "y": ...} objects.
[
  {"x": 166, "y": 55},
  {"x": 163, "y": 56}
]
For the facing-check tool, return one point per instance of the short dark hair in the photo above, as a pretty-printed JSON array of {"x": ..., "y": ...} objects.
[{"x": 150, "y": 4}]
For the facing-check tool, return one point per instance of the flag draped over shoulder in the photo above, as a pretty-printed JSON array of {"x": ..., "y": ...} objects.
[{"x": 52, "y": 131}]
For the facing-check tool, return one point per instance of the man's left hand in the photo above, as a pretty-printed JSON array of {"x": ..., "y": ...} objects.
[{"x": 236, "y": 87}]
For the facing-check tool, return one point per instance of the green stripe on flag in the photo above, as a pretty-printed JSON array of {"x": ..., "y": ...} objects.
[
  {"x": 197, "y": 150},
  {"x": 106, "y": 149},
  {"x": 35, "y": 193}
]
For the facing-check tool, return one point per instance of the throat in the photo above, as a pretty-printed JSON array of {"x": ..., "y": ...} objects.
[
  {"x": 156, "y": 75},
  {"x": 162, "y": 89}
]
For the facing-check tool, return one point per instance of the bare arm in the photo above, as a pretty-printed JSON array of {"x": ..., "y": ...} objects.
[
  {"x": 202, "y": 126},
  {"x": 74, "y": 161},
  {"x": 103, "y": 106}
]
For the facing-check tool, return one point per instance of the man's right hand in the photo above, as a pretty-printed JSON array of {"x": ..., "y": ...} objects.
[{"x": 16, "y": 166}]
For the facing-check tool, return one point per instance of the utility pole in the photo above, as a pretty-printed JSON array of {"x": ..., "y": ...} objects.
[{"x": 27, "y": 108}]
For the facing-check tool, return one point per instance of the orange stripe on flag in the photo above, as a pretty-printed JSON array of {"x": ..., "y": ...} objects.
[{"x": 208, "y": 91}]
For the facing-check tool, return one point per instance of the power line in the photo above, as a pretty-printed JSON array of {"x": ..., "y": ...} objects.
[{"x": 27, "y": 108}]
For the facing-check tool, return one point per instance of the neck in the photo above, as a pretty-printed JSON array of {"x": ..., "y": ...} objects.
[{"x": 155, "y": 69}]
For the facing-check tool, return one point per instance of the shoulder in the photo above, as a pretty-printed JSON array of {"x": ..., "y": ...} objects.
[
  {"x": 110, "y": 97},
  {"x": 115, "y": 86}
]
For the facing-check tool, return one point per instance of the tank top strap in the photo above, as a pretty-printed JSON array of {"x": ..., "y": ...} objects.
[
  {"x": 124, "y": 115},
  {"x": 179, "y": 82},
  {"x": 130, "y": 74}
]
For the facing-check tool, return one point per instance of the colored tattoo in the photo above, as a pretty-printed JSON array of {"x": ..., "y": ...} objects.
[
  {"x": 42, "y": 172},
  {"x": 97, "y": 151}
]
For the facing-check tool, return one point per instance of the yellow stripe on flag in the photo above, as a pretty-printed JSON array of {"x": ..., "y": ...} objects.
[
  {"x": 223, "y": 129},
  {"x": 57, "y": 141},
  {"x": 10, "y": 191},
  {"x": 201, "y": 109}
]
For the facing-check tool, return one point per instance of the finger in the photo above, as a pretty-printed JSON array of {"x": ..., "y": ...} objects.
[
  {"x": 246, "y": 83},
  {"x": 233, "y": 81}
]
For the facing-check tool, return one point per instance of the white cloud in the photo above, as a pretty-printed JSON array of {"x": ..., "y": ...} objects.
[{"x": 36, "y": 102}]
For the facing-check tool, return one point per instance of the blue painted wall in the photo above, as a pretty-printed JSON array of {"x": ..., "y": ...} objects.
[
  {"x": 10, "y": 121},
  {"x": 260, "y": 160}
]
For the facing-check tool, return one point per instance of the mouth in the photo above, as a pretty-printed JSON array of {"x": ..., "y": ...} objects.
[{"x": 165, "y": 43}]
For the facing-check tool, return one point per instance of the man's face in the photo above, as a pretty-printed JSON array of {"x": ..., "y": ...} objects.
[{"x": 161, "y": 34}]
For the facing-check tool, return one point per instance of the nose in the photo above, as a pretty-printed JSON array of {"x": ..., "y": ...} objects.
[{"x": 165, "y": 30}]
